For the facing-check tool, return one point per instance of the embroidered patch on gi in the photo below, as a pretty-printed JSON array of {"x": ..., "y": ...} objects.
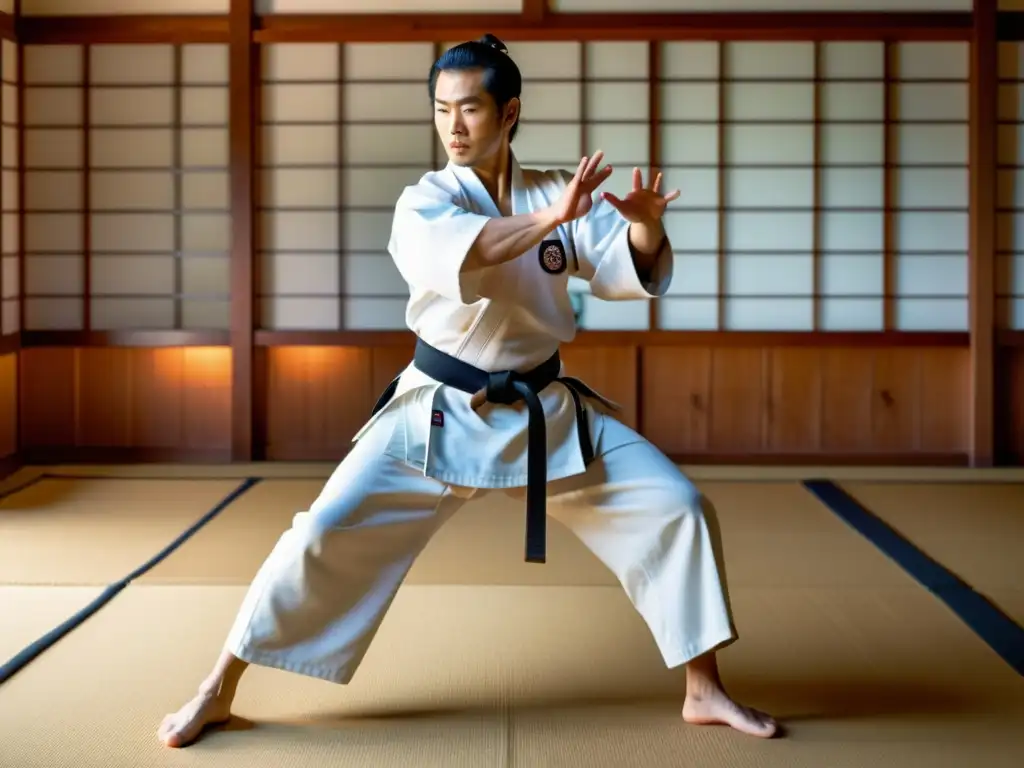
[
  {"x": 552, "y": 257},
  {"x": 437, "y": 418}
]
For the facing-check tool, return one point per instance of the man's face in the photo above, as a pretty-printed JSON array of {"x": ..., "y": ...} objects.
[{"x": 467, "y": 119}]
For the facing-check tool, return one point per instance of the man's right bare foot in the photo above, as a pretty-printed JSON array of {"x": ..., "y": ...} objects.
[{"x": 186, "y": 725}]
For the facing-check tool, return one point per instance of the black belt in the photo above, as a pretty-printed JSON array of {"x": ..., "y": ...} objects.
[{"x": 506, "y": 388}]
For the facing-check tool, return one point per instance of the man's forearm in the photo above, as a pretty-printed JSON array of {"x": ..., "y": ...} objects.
[
  {"x": 503, "y": 239},
  {"x": 645, "y": 242}
]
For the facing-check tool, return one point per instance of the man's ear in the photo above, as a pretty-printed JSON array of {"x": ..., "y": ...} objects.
[{"x": 512, "y": 112}]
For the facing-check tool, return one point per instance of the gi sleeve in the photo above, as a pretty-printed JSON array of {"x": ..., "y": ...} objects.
[
  {"x": 431, "y": 236},
  {"x": 601, "y": 241}
]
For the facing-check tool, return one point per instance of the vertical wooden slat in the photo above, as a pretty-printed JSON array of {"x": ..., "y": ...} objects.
[
  {"x": 584, "y": 133},
  {"x": 258, "y": 373},
  {"x": 534, "y": 11},
  {"x": 179, "y": 200},
  {"x": 341, "y": 183},
  {"x": 4, "y": 74},
  {"x": 889, "y": 170},
  {"x": 654, "y": 144},
  {"x": 86, "y": 184},
  {"x": 19, "y": 427},
  {"x": 981, "y": 280},
  {"x": 816, "y": 232},
  {"x": 241, "y": 135},
  {"x": 721, "y": 182},
  {"x": 437, "y": 155},
  {"x": 21, "y": 187}
]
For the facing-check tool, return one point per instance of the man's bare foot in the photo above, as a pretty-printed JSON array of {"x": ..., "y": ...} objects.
[
  {"x": 716, "y": 708},
  {"x": 186, "y": 725},
  {"x": 707, "y": 703}
]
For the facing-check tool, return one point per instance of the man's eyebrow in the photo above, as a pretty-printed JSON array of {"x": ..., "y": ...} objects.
[{"x": 466, "y": 100}]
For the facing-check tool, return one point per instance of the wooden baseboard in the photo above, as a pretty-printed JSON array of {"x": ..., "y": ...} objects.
[
  {"x": 825, "y": 459},
  {"x": 10, "y": 464},
  {"x": 306, "y": 453},
  {"x": 46, "y": 455}
]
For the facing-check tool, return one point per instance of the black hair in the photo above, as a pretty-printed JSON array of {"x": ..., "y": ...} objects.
[{"x": 502, "y": 78}]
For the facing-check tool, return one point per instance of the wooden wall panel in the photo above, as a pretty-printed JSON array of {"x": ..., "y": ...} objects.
[
  {"x": 612, "y": 371},
  {"x": 821, "y": 404},
  {"x": 317, "y": 398},
  {"x": 8, "y": 404},
  {"x": 125, "y": 403},
  {"x": 1010, "y": 404}
]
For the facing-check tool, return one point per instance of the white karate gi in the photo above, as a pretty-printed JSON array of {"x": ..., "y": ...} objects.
[{"x": 317, "y": 601}]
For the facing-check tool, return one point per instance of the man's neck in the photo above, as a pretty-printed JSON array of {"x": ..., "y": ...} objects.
[{"x": 496, "y": 176}]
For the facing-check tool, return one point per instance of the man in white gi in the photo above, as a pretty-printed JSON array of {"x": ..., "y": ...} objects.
[{"x": 487, "y": 248}]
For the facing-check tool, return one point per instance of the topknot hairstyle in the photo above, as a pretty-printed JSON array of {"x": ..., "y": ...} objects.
[{"x": 502, "y": 79}]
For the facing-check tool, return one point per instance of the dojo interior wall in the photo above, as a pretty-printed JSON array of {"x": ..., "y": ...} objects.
[
  {"x": 10, "y": 224},
  {"x": 820, "y": 308}
]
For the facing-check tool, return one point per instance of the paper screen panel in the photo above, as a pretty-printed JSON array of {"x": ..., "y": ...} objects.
[
  {"x": 851, "y": 225},
  {"x": 123, "y": 7},
  {"x": 768, "y": 178},
  {"x": 54, "y": 204},
  {"x": 159, "y": 213},
  {"x": 930, "y": 133},
  {"x": 1010, "y": 199},
  {"x": 616, "y": 114},
  {"x": 761, "y": 6},
  {"x": 10, "y": 203},
  {"x": 688, "y": 92},
  {"x": 385, "y": 6},
  {"x": 346, "y": 128}
]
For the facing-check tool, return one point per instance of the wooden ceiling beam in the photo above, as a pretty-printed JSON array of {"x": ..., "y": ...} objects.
[{"x": 536, "y": 22}]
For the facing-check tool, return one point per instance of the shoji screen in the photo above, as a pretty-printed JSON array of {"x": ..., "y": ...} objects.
[
  {"x": 931, "y": 139},
  {"x": 824, "y": 188},
  {"x": 345, "y": 128},
  {"x": 690, "y": 135},
  {"x": 10, "y": 288},
  {"x": 1010, "y": 240},
  {"x": 616, "y": 118},
  {"x": 126, "y": 187},
  {"x": 768, "y": 177},
  {"x": 54, "y": 189},
  {"x": 852, "y": 198}
]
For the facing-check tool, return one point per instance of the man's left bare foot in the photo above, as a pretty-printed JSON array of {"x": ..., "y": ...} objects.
[{"x": 716, "y": 708}]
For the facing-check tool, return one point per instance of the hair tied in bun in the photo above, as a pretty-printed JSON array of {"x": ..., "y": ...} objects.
[{"x": 493, "y": 42}]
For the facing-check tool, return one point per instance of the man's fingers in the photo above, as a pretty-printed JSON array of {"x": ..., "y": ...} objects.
[
  {"x": 595, "y": 161},
  {"x": 657, "y": 183},
  {"x": 638, "y": 180},
  {"x": 616, "y": 202},
  {"x": 593, "y": 182},
  {"x": 672, "y": 195},
  {"x": 581, "y": 168}
]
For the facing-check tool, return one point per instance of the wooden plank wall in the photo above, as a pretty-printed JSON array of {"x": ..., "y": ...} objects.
[
  {"x": 725, "y": 400},
  {"x": 125, "y": 404},
  {"x": 700, "y": 404},
  {"x": 8, "y": 405}
]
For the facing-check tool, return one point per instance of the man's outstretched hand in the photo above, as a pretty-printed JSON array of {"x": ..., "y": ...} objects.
[
  {"x": 576, "y": 199},
  {"x": 642, "y": 205}
]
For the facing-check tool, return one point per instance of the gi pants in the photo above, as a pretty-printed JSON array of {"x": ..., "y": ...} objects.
[{"x": 318, "y": 600}]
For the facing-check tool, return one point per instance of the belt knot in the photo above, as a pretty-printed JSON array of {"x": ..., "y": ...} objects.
[{"x": 501, "y": 387}]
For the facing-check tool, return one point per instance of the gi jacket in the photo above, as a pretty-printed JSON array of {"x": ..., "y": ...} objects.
[{"x": 512, "y": 316}]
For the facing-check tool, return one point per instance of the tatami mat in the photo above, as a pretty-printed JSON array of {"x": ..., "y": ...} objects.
[
  {"x": 483, "y": 542},
  {"x": 524, "y": 677},
  {"x": 27, "y": 613},
  {"x": 865, "y": 667},
  {"x": 95, "y": 531},
  {"x": 975, "y": 530}
]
